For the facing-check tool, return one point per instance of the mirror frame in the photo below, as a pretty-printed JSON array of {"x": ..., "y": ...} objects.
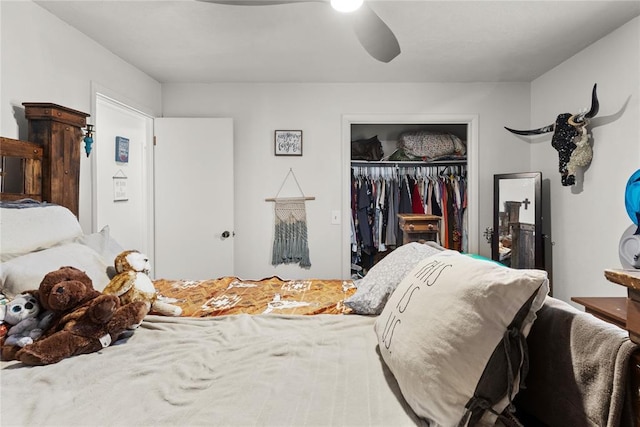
[{"x": 538, "y": 238}]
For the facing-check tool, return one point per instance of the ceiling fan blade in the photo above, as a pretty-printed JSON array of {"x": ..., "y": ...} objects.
[
  {"x": 256, "y": 2},
  {"x": 374, "y": 35}
]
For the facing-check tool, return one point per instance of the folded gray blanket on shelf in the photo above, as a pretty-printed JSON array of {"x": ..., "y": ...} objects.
[{"x": 578, "y": 373}]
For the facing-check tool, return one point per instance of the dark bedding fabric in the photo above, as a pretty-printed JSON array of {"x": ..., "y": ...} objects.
[
  {"x": 578, "y": 370},
  {"x": 23, "y": 203}
]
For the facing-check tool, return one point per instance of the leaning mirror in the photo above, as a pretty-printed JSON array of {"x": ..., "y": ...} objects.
[{"x": 517, "y": 220}]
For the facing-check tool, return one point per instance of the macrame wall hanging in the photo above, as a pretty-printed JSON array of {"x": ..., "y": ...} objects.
[{"x": 290, "y": 241}]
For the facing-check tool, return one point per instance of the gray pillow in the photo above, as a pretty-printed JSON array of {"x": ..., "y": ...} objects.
[{"x": 381, "y": 280}]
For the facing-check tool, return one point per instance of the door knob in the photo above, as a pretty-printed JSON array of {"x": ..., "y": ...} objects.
[{"x": 226, "y": 234}]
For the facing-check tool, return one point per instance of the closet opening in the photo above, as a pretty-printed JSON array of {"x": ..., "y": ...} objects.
[{"x": 418, "y": 183}]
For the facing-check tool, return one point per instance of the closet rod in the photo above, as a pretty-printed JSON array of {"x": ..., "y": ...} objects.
[{"x": 408, "y": 163}]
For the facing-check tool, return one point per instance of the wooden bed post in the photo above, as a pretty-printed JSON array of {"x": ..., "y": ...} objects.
[{"x": 59, "y": 130}]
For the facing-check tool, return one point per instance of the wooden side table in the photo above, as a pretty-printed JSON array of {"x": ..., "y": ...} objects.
[
  {"x": 609, "y": 309},
  {"x": 630, "y": 280},
  {"x": 625, "y": 313},
  {"x": 416, "y": 227}
]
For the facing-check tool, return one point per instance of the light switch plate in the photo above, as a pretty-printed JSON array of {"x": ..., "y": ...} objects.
[{"x": 335, "y": 217}]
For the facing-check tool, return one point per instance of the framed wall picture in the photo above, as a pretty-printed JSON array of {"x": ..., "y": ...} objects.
[
  {"x": 122, "y": 149},
  {"x": 288, "y": 143}
]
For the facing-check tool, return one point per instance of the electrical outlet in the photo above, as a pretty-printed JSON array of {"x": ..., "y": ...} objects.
[{"x": 335, "y": 217}]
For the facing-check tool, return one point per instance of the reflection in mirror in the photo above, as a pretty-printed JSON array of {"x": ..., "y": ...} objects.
[{"x": 517, "y": 221}]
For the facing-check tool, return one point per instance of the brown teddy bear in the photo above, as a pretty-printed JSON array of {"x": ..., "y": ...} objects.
[
  {"x": 85, "y": 320},
  {"x": 132, "y": 283}
]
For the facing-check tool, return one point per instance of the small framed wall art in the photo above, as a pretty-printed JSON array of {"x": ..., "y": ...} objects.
[
  {"x": 122, "y": 149},
  {"x": 288, "y": 143}
]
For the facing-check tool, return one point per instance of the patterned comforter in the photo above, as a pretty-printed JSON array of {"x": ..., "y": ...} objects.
[{"x": 230, "y": 295}]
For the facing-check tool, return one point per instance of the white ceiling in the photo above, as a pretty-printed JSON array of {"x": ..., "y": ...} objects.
[{"x": 442, "y": 41}]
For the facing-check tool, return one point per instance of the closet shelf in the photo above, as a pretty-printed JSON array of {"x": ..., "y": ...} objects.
[{"x": 409, "y": 163}]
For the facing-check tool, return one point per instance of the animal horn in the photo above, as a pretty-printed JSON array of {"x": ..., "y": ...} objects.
[
  {"x": 595, "y": 106},
  {"x": 532, "y": 131}
]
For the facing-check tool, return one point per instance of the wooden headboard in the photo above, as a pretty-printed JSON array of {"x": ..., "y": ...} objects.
[
  {"x": 47, "y": 167},
  {"x": 21, "y": 170}
]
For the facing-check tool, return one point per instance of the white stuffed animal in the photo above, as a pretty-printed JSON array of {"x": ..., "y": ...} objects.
[{"x": 132, "y": 283}]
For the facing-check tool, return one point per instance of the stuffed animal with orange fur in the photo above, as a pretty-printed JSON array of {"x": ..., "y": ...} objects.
[{"x": 132, "y": 283}]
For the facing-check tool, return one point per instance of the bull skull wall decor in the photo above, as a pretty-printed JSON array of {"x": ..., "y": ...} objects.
[{"x": 570, "y": 139}]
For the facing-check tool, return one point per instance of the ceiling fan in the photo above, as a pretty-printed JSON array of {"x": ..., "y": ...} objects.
[{"x": 374, "y": 35}]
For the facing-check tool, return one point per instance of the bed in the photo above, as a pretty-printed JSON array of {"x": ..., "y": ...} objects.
[{"x": 409, "y": 344}]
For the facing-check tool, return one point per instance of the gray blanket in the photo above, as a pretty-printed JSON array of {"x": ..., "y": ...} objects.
[
  {"x": 274, "y": 370},
  {"x": 238, "y": 370},
  {"x": 578, "y": 369}
]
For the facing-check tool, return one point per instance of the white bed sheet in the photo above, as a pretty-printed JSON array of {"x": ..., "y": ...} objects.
[{"x": 241, "y": 370}]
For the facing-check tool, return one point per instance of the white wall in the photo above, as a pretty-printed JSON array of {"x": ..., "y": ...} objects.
[
  {"x": 317, "y": 109},
  {"x": 587, "y": 221},
  {"x": 46, "y": 60}
]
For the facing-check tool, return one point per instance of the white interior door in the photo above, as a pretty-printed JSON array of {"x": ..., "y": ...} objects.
[
  {"x": 128, "y": 213},
  {"x": 194, "y": 198}
]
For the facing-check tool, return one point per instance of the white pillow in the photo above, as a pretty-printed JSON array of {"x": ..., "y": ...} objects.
[
  {"x": 102, "y": 242},
  {"x": 27, "y": 271},
  {"x": 24, "y": 230},
  {"x": 374, "y": 289},
  {"x": 451, "y": 330}
]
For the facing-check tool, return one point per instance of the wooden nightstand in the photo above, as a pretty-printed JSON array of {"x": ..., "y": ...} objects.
[
  {"x": 416, "y": 227},
  {"x": 614, "y": 310},
  {"x": 631, "y": 280},
  {"x": 609, "y": 309},
  {"x": 625, "y": 313}
]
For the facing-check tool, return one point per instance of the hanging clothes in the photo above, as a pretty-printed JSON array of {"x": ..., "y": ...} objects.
[
  {"x": 364, "y": 214},
  {"x": 380, "y": 216},
  {"x": 405, "y": 205},
  {"x": 392, "y": 211},
  {"x": 417, "y": 205},
  {"x": 379, "y": 193},
  {"x": 428, "y": 204},
  {"x": 444, "y": 223},
  {"x": 436, "y": 198}
]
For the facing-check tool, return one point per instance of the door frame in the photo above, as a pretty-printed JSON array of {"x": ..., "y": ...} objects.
[
  {"x": 99, "y": 91},
  {"x": 471, "y": 120}
]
